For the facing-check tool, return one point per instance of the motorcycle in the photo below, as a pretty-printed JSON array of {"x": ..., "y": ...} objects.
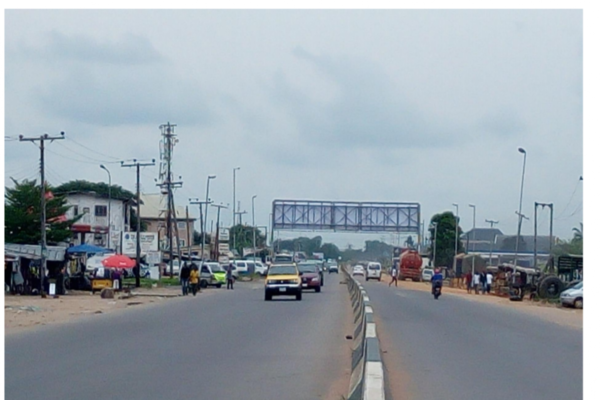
[{"x": 437, "y": 290}]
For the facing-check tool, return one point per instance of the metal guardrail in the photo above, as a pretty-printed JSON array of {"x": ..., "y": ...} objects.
[{"x": 367, "y": 378}]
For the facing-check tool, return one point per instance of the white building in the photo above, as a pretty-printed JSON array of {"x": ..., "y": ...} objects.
[{"x": 92, "y": 227}]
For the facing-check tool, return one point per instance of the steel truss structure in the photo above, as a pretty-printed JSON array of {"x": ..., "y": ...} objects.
[{"x": 346, "y": 216}]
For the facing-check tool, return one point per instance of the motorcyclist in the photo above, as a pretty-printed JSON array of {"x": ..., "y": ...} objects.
[{"x": 437, "y": 280}]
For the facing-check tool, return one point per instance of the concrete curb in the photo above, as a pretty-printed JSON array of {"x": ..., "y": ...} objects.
[{"x": 367, "y": 378}]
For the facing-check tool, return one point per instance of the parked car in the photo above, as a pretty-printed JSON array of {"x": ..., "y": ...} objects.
[
  {"x": 260, "y": 268},
  {"x": 427, "y": 274},
  {"x": 573, "y": 297},
  {"x": 212, "y": 274},
  {"x": 167, "y": 268},
  {"x": 374, "y": 271},
  {"x": 241, "y": 267},
  {"x": 312, "y": 276}
]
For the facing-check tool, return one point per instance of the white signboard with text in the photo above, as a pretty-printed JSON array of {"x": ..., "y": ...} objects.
[
  {"x": 223, "y": 235},
  {"x": 148, "y": 242}
]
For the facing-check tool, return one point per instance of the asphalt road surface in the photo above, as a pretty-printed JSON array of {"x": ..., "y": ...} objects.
[
  {"x": 229, "y": 345},
  {"x": 453, "y": 348}
]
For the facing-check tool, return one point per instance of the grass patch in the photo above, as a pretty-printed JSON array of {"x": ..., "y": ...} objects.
[{"x": 147, "y": 283}]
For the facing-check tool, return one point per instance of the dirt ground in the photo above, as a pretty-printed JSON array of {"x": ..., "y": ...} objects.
[
  {"x": 23, "y": 313},
  {"x": 547, "y": 311}
]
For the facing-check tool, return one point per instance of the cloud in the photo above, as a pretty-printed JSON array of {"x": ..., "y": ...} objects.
[
  {"x": 504, "y": 122},
  {"x": 128, "y": 49}
]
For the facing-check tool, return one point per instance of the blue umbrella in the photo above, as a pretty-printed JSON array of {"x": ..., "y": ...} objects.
[{"x": 87, "y": 248}]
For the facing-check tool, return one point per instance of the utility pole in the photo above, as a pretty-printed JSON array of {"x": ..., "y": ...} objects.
[
  {"x": 138, "y": 250},
  {"x": 434, "y": 241},
  {"x": 219, "y": 206},
  {"x": 187, "y": 225},
  {"x": 233, "y": 204},
  {"x": 492, "y": 223},
  {"x": 196, "y": 201},
  {"x": 240, "y": 213},
  {"x": 166, "y": 176},
  {"x": 543, "y": 205},
  {"x": 521, "y": 218},
  {"x": 206, "y": 211},
  {"x": 42, "y": 140},
  {"x": 253, "y": 232},
  {"x": 455, "y": 236}
]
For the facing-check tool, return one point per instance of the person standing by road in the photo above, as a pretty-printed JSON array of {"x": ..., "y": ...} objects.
[
  {"x": 489, "y": 280},
  {"x": 184, "y": 276},
  {"x": 483, "y": 280},
  {"x": 394, "y": 276},
  {"x": 476, "y": 281},
  {"x": 468, "y": 281},
  {"x": 194, "y": 278},
  {"x": 229, "y": 276}
]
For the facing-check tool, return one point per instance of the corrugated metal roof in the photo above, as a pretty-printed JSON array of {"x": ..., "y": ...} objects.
[{"x": 154, "y": 206}]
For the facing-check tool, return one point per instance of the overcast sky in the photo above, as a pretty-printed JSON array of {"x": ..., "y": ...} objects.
[{"x": 424, "y": 106}]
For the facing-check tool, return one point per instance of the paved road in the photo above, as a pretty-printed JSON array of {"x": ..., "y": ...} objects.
[
  {"x": 454, "y": 348},
  {"x": 229, "y": 345}
]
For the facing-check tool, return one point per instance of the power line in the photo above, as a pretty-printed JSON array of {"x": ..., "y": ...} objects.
[
  {"x": 96, "y": 151},
  {"x": 571, "y": 199}
]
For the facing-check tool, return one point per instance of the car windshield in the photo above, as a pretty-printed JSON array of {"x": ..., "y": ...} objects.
[
  {"x": 307, "y": 268},
  {"x": 578, "y": 286},
  {"x": 216, "y": 268},
  {"x": 374, "y": 266},
  {"x": 283, "y": 258},
  {"x": 282, "y": 270}
]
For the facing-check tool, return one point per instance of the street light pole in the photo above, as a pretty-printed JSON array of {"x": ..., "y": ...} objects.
[
  {"x": 455, "y": 236},
  {"x": 233, "y": 206},
  {"x": 206, "y": 212},
  {"x": 473, "y": 240},
  {"x": 253, "y": 231},
  {"x": 521, "y": 150},
  {"x": 109, "y": 201}
]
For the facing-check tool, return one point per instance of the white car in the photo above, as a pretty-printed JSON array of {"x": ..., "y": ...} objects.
[
  {"x": 374, "y": 271},
  {"x": 241, "y": 266},
  {"x": 573, "y": 297},
  {"x": 358, "y": 270},
  {"x": 427, "y": 274},
  {"x": 260, "y": 268}
]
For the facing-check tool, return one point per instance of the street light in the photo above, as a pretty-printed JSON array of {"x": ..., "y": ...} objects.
[
  {"x": 109, "y": 201},
  {"x": 455, "y": 235},
  {"x": 206, "y": 212},
  {"x": 473, "y": 240},
  {"x": 522, "y": 151},
  {"x": 253, "y": 231}
]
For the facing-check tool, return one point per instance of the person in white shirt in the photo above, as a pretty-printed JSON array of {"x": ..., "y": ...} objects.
[
  {"x": 476, "y": 280},
  {"x": 490, "y": 279}
]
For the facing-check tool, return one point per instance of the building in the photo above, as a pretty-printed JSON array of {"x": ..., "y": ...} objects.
[
  {"x": 154, "y": 215},
  {"x": 499, "y": 248},
  {"x": 92, "y": 227}
]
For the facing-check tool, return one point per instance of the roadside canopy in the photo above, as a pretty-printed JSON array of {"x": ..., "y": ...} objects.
[{"x": 87, "y": 248}]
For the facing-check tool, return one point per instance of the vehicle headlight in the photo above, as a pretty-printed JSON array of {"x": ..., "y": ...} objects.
[
  {"x": 270, "y": 282},
  {"x": 315, "y": 279}
]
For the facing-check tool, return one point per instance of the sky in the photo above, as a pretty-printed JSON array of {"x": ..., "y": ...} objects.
[{"x": 426, "y": 106}]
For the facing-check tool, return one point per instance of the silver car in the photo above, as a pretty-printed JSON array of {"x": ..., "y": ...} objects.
[{"x": 573, "y": 297}]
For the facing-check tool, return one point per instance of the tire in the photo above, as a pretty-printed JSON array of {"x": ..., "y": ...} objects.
[
  {"x": 578, "y": 303},
  {"x": 550, "y": 287},
  {"x": 203, "y": 284},
  {"x": 268, "y": 297},
  {"x": 379, "y": 279},
  {"x": 318, "y": 289},
  {"x": 218, "y": 285},
  {"x": 299, "y": 296},
  {"x": 516, "y": 294}
]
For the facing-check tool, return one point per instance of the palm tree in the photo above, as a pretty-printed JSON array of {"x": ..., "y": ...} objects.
[{"x": 578, "y": 233}]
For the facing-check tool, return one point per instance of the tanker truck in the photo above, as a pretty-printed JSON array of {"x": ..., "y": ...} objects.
[{"x": 408, "y": 262}]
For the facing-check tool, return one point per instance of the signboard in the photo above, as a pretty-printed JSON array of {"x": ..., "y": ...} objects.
[
  {"x": 148, "y": 242},
  {"x": 319, "y": 256},
  {"x": 223, "y": 235},
  {"x": 223, "y": 259},
  {"x": 223, "y": 248},
  {"x": 153, "y": 257}
]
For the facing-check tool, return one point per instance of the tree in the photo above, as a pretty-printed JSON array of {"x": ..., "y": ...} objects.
[
  {"x": 330, "y": 251},
  {"x": 578, "y": 233},
  {"x": 22, "y": 211},
  {"x": 445, "y": 238},
  {"x": 243, "y": 237}
]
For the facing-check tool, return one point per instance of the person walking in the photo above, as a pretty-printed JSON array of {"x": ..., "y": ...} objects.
[
  {"x": 468, "y": 281},
  {"x": 483, "y": 280},
  {"x": 229, "y": 276},
  {"x": 394, "y": 276},
  {"x": 184, "y": 277},
  {"x": 476, "y": 282},
  {"x": 194, "y": 278}
]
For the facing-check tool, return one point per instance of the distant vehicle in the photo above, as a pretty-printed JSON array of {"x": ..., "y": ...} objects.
[
  {"x": 333, "y": 267},
  {"x": 358, "y": 270},
  {"x": 260, "y": 268},
  {"x": 283, "y": 259},
  {"x": 212, "y": 274},
  {"x": 234, "y": 273},
  {"x": 167, "y": 268},
  {"x": 311, "y": 276},
  {"x": 427, "y": 274},
  {"x": 241, "y": 266},
  {"x": 283, "y": 280},
  {"x": 374, "y": 271},
  {"x": 573, "y": 297}
]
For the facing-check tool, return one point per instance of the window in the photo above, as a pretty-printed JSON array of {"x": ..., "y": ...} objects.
[
  {"x": 75, "y": 210},
  {"x": 181, "y": 225},
  {"x": 181, "y": 242},
  {"x": 100, "y": 211},
  {"x": 205, "y": 270},
  {"x": 86, "y": 210}
]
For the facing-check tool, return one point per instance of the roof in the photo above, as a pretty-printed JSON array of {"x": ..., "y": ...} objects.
[
  {"x": 506, "y": 243},
  {"x": 154, "y": 206},
  {"x": 483, "y": 234},
  {"x": 97, "y": 195},
  {"x": 34, "y": 252}
]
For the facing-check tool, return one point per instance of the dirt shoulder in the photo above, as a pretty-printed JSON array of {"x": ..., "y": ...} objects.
[
  {"x": 547, "y": 311},
  {"x": 23, "y": 313}
]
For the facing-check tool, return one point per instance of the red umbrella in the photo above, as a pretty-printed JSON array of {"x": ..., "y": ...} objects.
[{"x": 118, "y": 261}]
